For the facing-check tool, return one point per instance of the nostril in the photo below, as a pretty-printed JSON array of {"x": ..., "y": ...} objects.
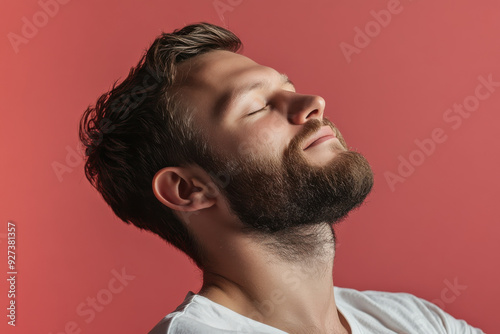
[
  {"x": 316, "y": 113},
  {"x": 302, "y": 108}
]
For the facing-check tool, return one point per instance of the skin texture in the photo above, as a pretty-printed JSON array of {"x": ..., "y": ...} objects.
[{"x": 278, "y": 271}]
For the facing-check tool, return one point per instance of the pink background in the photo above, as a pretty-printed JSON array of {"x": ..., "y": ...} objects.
[{"x": 439, "y": 226}]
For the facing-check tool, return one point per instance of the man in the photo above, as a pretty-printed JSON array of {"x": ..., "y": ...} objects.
[{"x": 222, "y": 158}]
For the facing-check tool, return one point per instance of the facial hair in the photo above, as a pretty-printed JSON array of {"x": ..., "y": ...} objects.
[{"x": 287, "y": 201}]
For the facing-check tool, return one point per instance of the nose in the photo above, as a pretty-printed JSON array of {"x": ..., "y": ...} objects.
[{"x": 303, "y": 108}]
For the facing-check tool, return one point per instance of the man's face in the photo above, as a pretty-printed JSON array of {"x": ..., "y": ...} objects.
[{"x": 278, "y": 162}]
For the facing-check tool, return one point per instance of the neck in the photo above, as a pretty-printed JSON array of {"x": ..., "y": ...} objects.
[{"x": 283, "y": 280}]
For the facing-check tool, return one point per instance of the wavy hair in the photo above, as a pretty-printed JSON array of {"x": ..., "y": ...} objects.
[{"x": 139, "y": 127}]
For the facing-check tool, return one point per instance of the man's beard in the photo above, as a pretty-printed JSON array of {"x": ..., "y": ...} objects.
[{"x": 286, "y": 197}]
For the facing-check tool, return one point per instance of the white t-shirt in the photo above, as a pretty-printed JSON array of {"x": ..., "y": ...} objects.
[{"x": 366, "y": 312}]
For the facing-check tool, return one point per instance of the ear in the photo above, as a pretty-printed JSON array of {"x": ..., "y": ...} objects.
[{"x": 183, "y": 189}]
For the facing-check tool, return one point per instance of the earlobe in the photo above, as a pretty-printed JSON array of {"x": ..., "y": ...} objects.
[{"x": 179, "y": 189}]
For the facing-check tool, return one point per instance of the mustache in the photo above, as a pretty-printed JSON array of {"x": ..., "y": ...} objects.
[{"x": 308, "y": 129}]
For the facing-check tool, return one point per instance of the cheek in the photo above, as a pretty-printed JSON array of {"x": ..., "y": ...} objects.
[{"x": 267, "y": 135}]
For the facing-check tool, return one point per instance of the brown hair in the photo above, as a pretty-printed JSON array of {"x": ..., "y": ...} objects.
[{"x": 131, "y": 133}]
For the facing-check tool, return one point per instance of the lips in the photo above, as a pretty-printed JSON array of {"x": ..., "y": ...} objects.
[{"x": 325, "y": 133}]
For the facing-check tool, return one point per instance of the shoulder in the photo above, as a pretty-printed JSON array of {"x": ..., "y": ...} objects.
[
  {"x": 371, "y": 297},
  {"x": 170, "y": 321},
  {"x": 178, "y": 323},
  {"x": 398, "y": 310},
  {"x": 198, "y": 314},
  {"x": 186, "y": 318}
]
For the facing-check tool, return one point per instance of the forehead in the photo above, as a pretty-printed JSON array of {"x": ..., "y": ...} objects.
[
  {"x": 210, "y": 68},
  {"x": 206, "y": 78}
]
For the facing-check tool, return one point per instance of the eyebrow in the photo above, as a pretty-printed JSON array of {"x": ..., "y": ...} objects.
[{"x": 225, "y": 101}]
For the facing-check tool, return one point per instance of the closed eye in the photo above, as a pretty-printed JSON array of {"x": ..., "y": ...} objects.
[{"x": 256, "y": 111}]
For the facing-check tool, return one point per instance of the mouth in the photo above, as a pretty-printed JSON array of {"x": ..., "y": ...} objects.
[{"x": 324, "y": 134}]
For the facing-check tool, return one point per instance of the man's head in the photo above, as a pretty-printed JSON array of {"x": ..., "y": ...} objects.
[{"x": 195, "y": 124}]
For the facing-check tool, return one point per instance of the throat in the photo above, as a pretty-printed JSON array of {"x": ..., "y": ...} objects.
[
  {"x": 283, "y": 280},
  {"x": 303, "y": 245}
]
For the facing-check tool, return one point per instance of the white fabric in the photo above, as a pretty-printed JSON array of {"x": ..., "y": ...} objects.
[{"x": 366, "y": 312}]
